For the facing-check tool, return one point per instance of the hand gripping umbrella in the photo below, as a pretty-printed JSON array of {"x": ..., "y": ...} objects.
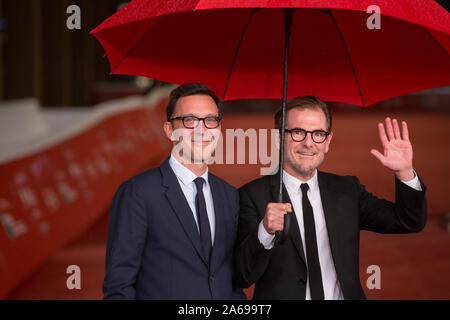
[{"x": 241, "y": 49}]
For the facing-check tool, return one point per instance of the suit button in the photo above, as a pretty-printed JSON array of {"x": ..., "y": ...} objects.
[{"x": 211, "y": 278}]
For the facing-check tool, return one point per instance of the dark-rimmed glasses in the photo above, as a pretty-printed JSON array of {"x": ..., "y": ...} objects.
[
  {"x": 299, "y": 134},
  {"x": 191, "y": 122}
]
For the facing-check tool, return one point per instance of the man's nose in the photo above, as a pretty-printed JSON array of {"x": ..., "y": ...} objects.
[
  {"x": 201, "y": 128},
  {"x": 308, "y": 140}
]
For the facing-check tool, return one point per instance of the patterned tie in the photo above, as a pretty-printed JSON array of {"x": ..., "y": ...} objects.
[
  {"x": 312, "y": 254},
  {"x": 202, "y": 218}
]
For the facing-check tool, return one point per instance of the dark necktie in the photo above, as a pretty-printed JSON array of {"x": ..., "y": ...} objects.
[
  {"x": 202, "y": 218},
  {"x": 312, "y": 254}
]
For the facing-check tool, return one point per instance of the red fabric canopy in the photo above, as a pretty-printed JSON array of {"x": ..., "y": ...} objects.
[{"x": 238, "y": 51}]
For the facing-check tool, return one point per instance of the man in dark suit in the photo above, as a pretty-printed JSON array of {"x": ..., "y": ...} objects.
[
  {"x": 172, "y": 229},
  {"x": 320, "y": 258}
]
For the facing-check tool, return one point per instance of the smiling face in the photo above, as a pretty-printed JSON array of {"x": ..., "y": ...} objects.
[
  {"x": 193, "y": 145},
  {"x": 302, "y": 158}
]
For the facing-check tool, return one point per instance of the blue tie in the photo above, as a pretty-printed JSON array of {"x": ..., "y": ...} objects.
[{"x": 202, "y": 218}]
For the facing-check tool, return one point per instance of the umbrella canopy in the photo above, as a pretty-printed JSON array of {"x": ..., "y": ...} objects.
[{"x": 237, "y": 47}]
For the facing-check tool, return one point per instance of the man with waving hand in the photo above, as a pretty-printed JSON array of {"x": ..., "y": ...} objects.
[{"x": 320, "y": 258}]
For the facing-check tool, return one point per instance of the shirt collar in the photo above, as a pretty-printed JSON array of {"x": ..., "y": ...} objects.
[
  {"x": 293, "y": 183},
  {"x": 184, "y": 174}
]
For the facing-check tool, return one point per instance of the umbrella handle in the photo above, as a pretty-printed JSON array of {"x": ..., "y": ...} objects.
[{"x": 281, "y": 237}]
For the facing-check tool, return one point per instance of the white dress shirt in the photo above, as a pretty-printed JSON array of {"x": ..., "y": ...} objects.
[
  {"x": 186, "y": 180},
  {"x": 331, "y": 286}
]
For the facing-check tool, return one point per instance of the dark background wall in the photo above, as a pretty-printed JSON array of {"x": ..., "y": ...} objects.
[{"x": 40, "y": 57}]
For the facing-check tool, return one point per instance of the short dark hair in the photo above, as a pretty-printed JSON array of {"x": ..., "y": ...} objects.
[
  {"x": 306, "y": 102},
  {"x": 190, "y": 89}
]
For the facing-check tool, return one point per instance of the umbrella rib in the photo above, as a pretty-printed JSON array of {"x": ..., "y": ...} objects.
[
  {"x": 138, "y": 43},
  {"x": 435, "y": 40},
  {"x": 348, "y": 56},
  {"x": 236, "y": 52}
]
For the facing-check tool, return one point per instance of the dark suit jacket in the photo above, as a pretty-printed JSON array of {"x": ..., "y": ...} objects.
[
  {"x": 153, "y": 248},
  {"x": 281, "y": 273}
]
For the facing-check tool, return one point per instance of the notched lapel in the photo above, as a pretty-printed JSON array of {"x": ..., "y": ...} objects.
[
  {"x": 328, "y": 198},
  {"x": 180, "y": 206},
  {"x": 294, "y": 232}
]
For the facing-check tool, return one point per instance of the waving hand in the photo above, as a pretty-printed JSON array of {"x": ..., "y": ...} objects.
[{"x": 397, "y": 149}]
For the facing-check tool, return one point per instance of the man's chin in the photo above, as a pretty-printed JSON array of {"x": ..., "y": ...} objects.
[
  {"x": 304, "y": 171},
  {"x": 202, "y": 156},
  {"x": 307, "y": 172}
]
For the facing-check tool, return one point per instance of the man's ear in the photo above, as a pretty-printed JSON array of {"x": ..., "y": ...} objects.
[
  {"x": 167, "y": 127},
  {"x": 327, "y": 146}
]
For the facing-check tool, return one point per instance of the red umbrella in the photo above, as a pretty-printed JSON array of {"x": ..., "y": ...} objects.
[
  {"x": 238, "y": 51},
  {"x": 237, "y": 48}
]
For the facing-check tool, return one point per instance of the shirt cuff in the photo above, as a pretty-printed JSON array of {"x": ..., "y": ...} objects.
[
  {"x": 414, "y": 183},
  {"x": 265, "y": 238}
]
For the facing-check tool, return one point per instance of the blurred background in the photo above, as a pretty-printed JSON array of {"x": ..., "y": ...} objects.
[{"x": 70, "y": 133}]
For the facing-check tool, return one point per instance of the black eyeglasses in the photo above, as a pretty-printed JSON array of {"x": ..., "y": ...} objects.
[
  {"x": 191, "y": 122},
  {"x": 299, "y": 134}
]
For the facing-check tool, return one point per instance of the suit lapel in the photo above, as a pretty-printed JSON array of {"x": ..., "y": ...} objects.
[
  {"x": 219, "y": 212},
  {"x": 328, "y": 198},
  {"x": 180, "y": 206},
  {"x": 294, "y": 232}
]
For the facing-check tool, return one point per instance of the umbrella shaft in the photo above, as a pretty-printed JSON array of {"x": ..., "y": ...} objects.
[{"x": 287, "y": 25}]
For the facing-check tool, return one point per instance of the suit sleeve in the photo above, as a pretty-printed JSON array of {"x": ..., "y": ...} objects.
[
  {"x": 408, "y": 213},
  {"x": 251, "y": 258},
  {"x": 126, "y": 237}
]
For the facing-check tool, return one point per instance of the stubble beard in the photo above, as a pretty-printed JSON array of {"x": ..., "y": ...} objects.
[{"x": 304, "y": 172}]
